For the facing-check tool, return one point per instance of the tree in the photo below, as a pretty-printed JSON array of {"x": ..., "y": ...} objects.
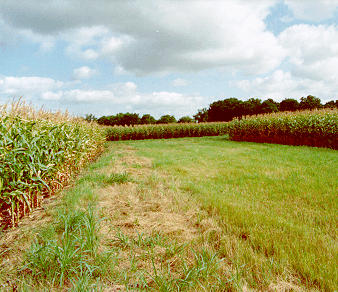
[
  {"x": 120, "y": 119},
  {"x": 185, "y": 119},
  {"x": 289, "y": 104},
  {"x": 253, "y": 106},
  {"x": 90, "y": 118},
  {"x": 202, "y": 116},
  {"x": 147, "y": 119},
  {"x": 269, "y": 106},
  {"x": 225, "y": 110},
  {"x": 166, "y": 119},
  {"x": 107, "y": 120},
  {"x": 310, "y": 102},
  {"x": 127, "y": 119},
  {"x": 331, "y": 104}
]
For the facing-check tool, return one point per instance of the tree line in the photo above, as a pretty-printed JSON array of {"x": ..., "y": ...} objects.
[{"x": 222, "y": 110}]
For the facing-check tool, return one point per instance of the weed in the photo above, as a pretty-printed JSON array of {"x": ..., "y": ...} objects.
[{"x": 119, "y": 178}]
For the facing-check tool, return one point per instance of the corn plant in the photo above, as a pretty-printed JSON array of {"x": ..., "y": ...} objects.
[
  {"x": 166, "y": 131},
  {"x": 38, "y": 152},
  {"x": 317, "y": 128}
]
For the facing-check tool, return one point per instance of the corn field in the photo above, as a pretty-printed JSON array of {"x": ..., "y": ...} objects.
[
  {"x": 38, "y": 152},
  {"x": 317, "y": 128},
  {"x": 166, "y": 131}
]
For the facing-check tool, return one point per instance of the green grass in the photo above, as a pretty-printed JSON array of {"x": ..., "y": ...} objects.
[
  {"x": 72, "y": 252},
  {"x": 276, "y": 204}
]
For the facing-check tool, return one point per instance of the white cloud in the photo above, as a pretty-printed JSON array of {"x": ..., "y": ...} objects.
[
  {"x": 27, "y": 85},
  {"x": 83, "y": 41},
  {"x": 312, "y": 10},
  {"x": 49, "y": 95},
  {"x": 90, "y": 96},
  {"x": 83, "y": 73},
  {"x": 280, "y": 85},
  {"x": 125, "y": 97},
  {"x": 312, "y": 50},
  {"x": 180, "y": 82}
]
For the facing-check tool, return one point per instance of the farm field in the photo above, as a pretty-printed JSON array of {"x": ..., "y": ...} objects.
[
  {"x": 276, "y": 204},
  {"x": 186, "y": 214}
]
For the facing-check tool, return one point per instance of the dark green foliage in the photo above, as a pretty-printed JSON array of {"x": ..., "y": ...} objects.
[
  {"x": 147, "y": 119},
  {"x": 269, "y": 106},
  {"x": 289, "y": 104},
  {"x": 120, "y": 119},
  {"x": 310, "y": 102},
  {"x": 90, "y": 118},
  {"x": 230, "y": 108},
  {"x": 202, "y": 116},
  {"x": 185, "y": 119},
  {"x": 166, "y": 119},
  {"x": 225, "y": 110},
  {"x": 331, "y": 104},
  {"x": 252, "y": 106}
]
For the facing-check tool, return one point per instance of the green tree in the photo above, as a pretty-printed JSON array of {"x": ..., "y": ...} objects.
[
  {"x": 269, "y": 106},
  {"x": 202, "y": 116},
  {"x": 253, "y": 106},
  {"x": 120, "y": 119},
  {"x": 107, "y": 120},
  {"x": 310, "y": 102},
  {"x": 166, "y": 119},
  {"x": 147, "y": 119},
  {"x": 289, "y": 104},
  {"x": 90, "y": 118},
  {"x": 185, "y": 119},
  {"x": 331, "y": 104},
  {"x": 225, "y": 110}
]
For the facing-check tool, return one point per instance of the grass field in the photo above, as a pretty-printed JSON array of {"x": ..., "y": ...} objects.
[
  {"x": 276, "y": 204},
  {"x": 187, "y": 214}
]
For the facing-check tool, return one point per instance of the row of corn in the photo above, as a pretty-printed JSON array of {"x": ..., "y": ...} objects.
[
  {"x": 38, "y": 152},
  {"x": 166, "y": 131},
  {"x": 317, "y": 128}
]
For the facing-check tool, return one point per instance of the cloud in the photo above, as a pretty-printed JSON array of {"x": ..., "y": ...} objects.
[
  {"x": 47, "y": 43},
  {"x": 312, "y": 51},
  {"x": 11, "y": 86},
  {"x": 49, "y": 95},
  {"x": 312, "y": 10},
  {"x": 280, "y": 85},
  {"x": 125, "y": 97},
  {"x": 120, "y": 71},
  {"x": 83, "y": 41},
  {"x": 180, "y": 82},
  {"x": 155, "y": 37},
  {"x": 83, "y": 73}
]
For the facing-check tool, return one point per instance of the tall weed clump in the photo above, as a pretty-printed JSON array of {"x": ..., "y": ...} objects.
[
  {"x": 166, "y": 131},
  {"x": 316, "y": 128},
  {"x": 38, "y": 152}
]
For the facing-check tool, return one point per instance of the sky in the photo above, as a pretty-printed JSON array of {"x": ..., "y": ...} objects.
[{"x": 165, "y": 57}]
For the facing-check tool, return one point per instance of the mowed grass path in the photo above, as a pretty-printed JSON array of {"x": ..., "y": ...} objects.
[{"x": 276, "y": 204}]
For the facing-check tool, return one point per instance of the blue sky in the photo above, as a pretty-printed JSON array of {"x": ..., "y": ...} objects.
[{"x": 167, "y": 56}]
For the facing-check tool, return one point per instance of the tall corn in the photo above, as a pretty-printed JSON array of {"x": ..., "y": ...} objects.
[
  {"x": 38, "y": 152},
  {"x": 317, "y": 128}
]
